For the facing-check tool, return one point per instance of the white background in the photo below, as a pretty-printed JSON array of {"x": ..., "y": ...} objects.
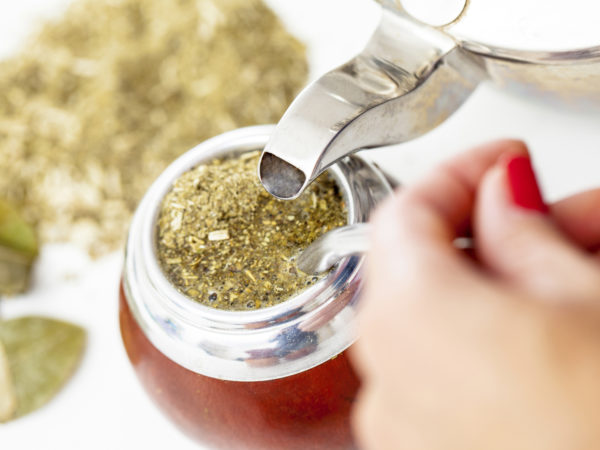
[{"x": 103, "y": 406}]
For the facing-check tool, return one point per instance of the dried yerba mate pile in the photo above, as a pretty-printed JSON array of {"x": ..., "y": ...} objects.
[{"x": 98, "y": 103}]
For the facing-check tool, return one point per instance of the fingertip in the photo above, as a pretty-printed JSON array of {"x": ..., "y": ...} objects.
[
  {"x": 501, "y": 208},
  {"x": 510, "y": 187},
  {"x": 520, "y": 244},
  {"x": 493, "y": 189},
  {"x": 509, "y": 146}
]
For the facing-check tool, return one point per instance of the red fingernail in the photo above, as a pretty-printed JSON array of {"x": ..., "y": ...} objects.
[{"x": 523, "y": 184}]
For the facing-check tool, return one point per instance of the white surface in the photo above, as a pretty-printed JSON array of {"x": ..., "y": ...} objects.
[{"x": 104, "y": 406}]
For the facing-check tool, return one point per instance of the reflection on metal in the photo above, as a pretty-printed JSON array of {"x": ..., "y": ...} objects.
[{"x": 437, "y": 13}]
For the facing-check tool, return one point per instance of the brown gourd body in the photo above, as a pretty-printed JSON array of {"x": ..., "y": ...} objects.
[{"x": 308, "y": 410}]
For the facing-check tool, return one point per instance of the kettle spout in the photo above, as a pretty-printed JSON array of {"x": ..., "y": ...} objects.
[{"x": 409, "y": 79}]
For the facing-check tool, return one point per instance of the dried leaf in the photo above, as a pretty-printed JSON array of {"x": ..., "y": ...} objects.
[
  {"x": 15, "y": 233},
  {"x": 18, "y": 250},
  {"x": 42, "y": 354},
  {"x": 8, "y": 401}
]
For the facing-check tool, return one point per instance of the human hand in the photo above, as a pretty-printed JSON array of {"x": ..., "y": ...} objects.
[{"x": 501, "y": 352}]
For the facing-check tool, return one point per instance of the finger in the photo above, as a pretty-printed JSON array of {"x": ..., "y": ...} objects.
[
  {"x": 416, "y": 228},
  {"x": 374, "y": 422},
  {"x": 579, "y": 217},
  {"x": 518, "y": 241},
  {"x": 449, "y": 191},
  {"x": 412, "y": 260}
]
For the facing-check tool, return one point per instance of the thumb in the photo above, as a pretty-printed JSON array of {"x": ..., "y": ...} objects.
[{"x": 517, "y": 240}]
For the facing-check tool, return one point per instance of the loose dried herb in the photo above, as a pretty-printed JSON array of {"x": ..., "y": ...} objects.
[
  {"x": 225, "y": 242},
  {"x": 42, "y": 354},
  {"x": 99, "y": 102},
  {"x": 18, "y": 250},
  {"x": 8, "y": 402}
]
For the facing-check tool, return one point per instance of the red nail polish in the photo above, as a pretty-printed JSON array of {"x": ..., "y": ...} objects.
[{"x": 523, "y": 184}]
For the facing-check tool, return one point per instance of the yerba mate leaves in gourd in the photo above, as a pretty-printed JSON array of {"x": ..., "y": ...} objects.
[
  {"x": 8, "y": 401},
  {"x": 42, "y": 354},
  {"x": 18, "y": 250},
  {"x": 225, "y": 242}
]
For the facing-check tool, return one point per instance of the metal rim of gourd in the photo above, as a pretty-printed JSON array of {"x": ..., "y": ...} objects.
[{"x": 264, "y": 344}]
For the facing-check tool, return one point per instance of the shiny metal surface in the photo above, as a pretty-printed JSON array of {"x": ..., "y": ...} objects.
[
  {"x": 413, "y": 74},
  {"x": 436, "y": 13},
  {"x": 327, "y": 250},
  {"x": 269, "y": 343},
  {"x": 513, "y": 25},
  {"x": 408, "y": 80}
]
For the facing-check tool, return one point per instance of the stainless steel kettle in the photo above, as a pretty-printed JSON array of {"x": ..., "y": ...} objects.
[{"x": 422, "y": 63}]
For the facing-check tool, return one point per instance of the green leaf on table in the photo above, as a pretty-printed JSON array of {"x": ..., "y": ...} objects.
[
  {"x": 18, "y": 250},
  {"x": 42, "y": 354},
  {"x": 8, "y": 402},
  {"x": 15, "y": 233}
]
